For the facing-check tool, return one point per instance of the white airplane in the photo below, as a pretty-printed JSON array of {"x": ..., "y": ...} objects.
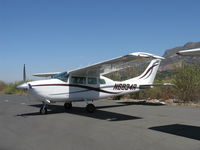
[
  {"x": 190, "y": 52},
  {"x": 88, "y": 84}
]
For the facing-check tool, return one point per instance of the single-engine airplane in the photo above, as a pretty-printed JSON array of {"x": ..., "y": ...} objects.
[{"x": 89, "y": 83}]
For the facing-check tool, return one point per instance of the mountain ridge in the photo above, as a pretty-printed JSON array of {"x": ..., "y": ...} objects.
[{"x": 172, "y": 60}]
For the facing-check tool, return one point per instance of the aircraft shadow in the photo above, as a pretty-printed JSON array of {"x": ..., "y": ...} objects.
[
  {"x": 188, "y": 131},
  {"x": 142, "y": 103},
  {"x": 98, "y": 114},
  {"x": 120, "y": 104},
  {"x": 110, "y": 106}
]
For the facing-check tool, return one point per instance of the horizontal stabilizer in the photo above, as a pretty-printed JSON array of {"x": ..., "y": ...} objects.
[{"x": 153, "y": 85}]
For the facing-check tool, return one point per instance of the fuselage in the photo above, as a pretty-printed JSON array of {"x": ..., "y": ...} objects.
[{"x": 78, "y": 89}]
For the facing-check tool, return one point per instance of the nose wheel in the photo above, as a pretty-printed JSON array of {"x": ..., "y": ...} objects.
[
  {"x": 43, "y": 110},
  {"x": 90, "y": 108}
]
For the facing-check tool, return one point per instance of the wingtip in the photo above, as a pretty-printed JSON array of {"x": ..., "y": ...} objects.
[
  {"x": 160, "y": 57},
  {"x": 146, "y": 55}
]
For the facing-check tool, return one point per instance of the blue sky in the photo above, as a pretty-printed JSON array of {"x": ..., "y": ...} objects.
[{"x": 60, "y": 35}]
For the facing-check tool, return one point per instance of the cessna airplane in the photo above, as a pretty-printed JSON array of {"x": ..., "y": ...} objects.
[
  {"x": 88, "y": 84},
  {"x": 190, "y": 52}
]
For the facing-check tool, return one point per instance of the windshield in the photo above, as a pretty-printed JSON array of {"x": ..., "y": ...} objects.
[{"x": 62, "y": 76}]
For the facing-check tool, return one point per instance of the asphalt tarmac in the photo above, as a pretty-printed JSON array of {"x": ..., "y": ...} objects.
[{"x": 117, "y": 126}]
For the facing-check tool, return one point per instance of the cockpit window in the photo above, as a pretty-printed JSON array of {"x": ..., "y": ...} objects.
[
  {"x": 78, "y": 80},
  {"x": 62, "y": 76},
  {"x": 102, "y": 81}
]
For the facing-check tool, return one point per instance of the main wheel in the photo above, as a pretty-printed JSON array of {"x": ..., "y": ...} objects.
[
  {"x": 90, "y": 108},
  {"x": 68, "y": 105},
  {"x": 43, "y": 110}
]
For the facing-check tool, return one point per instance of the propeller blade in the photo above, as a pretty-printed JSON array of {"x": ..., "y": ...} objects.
[
  {"x": 24, "y": 73},
  {"x": 24, "y": 85}
]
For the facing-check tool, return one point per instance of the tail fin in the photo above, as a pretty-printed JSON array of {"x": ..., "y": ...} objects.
[{"x": 148, "y": 76}]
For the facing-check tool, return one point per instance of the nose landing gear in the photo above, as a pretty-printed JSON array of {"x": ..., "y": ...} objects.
[{"x": 43, "y": 109}]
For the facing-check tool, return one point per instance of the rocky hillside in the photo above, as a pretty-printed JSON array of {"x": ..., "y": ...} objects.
[
  {"x": 166, "y": 69},
  {"x": 172, "y": 60}
]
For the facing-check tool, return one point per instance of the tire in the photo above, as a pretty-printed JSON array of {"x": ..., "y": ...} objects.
[
  {"x": 90, "y": 108},
  {"x": 68, "y": 105},
  {"x": 43, "y": 110}
]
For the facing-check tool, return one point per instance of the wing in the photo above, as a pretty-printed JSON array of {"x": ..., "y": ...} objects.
[
  {"x": 113, "y": 65},
  {"x": 190, "y": 52},
  {"x": 46, "y": 74}
]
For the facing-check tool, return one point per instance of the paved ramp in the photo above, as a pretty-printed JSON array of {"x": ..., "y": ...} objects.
[{"x": 114, "y": 125}]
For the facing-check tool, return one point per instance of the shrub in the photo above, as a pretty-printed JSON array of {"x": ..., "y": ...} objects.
[
  {"x": 187, "y": 81},
  {"x": 12, "y": 89},
  {"x": 159, "y": 92},
  {"x": 2, "y": 86}
]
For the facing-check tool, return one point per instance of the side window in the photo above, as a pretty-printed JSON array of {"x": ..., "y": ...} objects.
[
  {"x": 102, "y": 81},
  {"x": 92, "y": 80},
  {"x": 78, "y": 80}
]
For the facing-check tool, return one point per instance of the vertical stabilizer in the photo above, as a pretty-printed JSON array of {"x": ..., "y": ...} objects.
[{"x": 148, "y": 76}]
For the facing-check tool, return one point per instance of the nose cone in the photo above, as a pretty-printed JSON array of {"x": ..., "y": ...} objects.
[{"x": 23, "y": 86}]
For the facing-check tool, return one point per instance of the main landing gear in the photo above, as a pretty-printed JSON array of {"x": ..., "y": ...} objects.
[
  {"x": 68, "y": 105},
  {"x": 90, "y": 108}
]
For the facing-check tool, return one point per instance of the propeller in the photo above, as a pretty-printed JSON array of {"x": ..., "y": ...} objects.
[
  {"x": 24, "y": 85},
  {"x": 24, "y": 73}
]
